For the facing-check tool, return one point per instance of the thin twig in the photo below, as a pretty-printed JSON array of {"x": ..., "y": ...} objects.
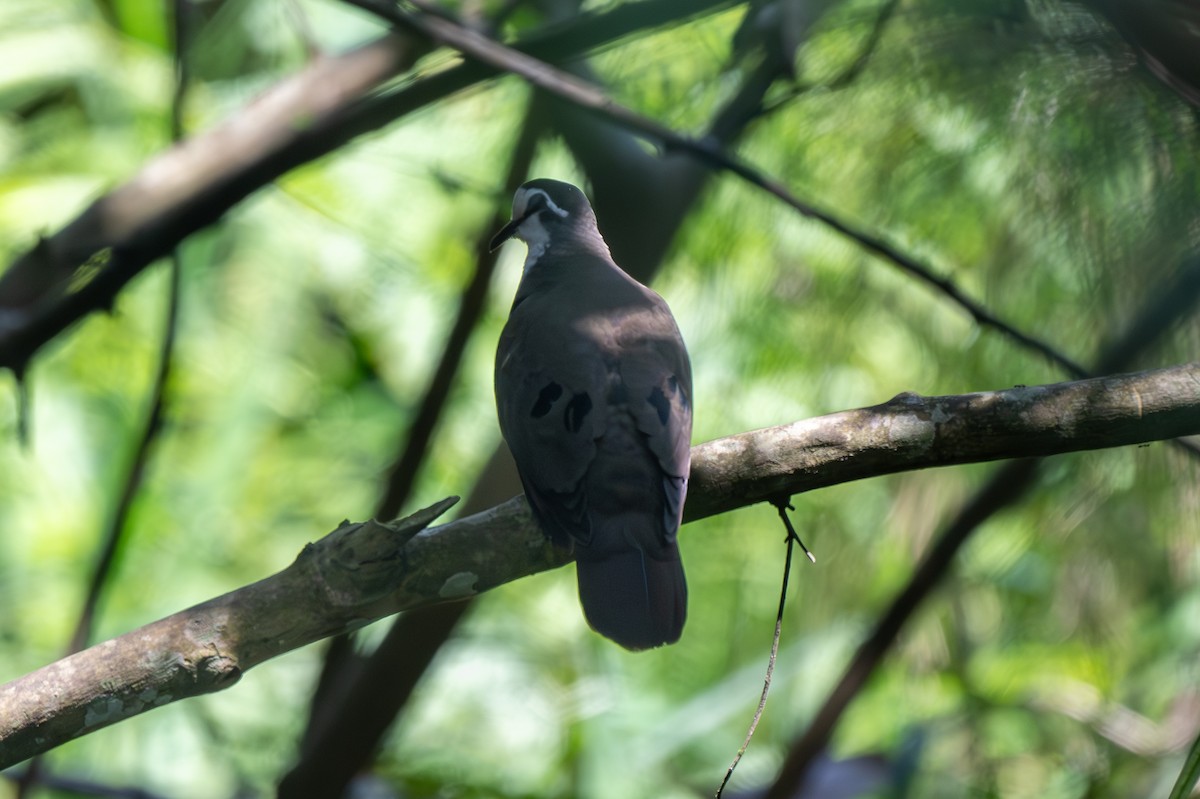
[
  {"x": 23, "y": 407},
  {"x": 783, "y": 507}
]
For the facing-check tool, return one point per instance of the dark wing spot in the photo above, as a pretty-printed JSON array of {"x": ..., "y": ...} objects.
[
  {"x": 661, "y": 404},
  {"x": 579, "y": 407},
  {"x": 546, "y": 398}
]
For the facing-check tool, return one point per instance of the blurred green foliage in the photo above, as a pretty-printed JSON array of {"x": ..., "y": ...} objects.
[{"x": 1017, "y": 147}]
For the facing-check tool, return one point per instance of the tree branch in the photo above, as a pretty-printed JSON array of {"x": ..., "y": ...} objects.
[
  {"x": 364, "y": 571},
  {"x": 912, "y": 432}
]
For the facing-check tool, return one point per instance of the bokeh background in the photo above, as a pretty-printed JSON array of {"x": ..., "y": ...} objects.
[{"x": 1023, "y": 150}]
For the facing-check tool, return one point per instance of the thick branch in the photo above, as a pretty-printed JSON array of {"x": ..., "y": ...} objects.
[
  {"x": 362, "y": 572},
  {"x": 912, "y": 432}
]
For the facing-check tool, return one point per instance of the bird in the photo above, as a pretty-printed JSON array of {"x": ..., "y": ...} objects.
[{"x": 594, "y": 398}]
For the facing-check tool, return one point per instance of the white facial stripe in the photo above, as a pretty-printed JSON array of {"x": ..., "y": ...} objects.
[{"x": 549, "y": 203}]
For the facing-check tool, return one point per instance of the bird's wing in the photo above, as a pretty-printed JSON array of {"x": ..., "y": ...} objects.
[
  {"x": 550, "y": 400},
  {"x": 657, "y": 376}
]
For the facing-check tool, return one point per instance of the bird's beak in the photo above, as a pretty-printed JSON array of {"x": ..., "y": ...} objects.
[
  {"x": 505, "y": 234},
  {"x": 510, "y": 230}
]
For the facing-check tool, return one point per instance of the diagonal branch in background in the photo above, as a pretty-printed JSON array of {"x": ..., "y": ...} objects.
[
  {"x": 181, "y": 191},
  {"x": 191, "y": 186},
  {"x": 402, "y": 474},
  {"x": 114, "y": 535},
  {"x": 591, "y": 97},
  {"x": 361, "y": 572}
]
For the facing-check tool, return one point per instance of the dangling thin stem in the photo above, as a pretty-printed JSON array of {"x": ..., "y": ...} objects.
[{"x": 783, "y": 507}]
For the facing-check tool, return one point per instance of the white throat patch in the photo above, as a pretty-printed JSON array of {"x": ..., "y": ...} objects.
[{"x": 534, "y": 234}]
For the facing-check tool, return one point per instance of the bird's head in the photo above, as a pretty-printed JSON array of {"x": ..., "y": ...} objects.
[{"x": 546, "y": 211}]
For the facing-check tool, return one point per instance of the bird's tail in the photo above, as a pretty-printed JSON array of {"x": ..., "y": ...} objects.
[{"x": 635, "y": 599}]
